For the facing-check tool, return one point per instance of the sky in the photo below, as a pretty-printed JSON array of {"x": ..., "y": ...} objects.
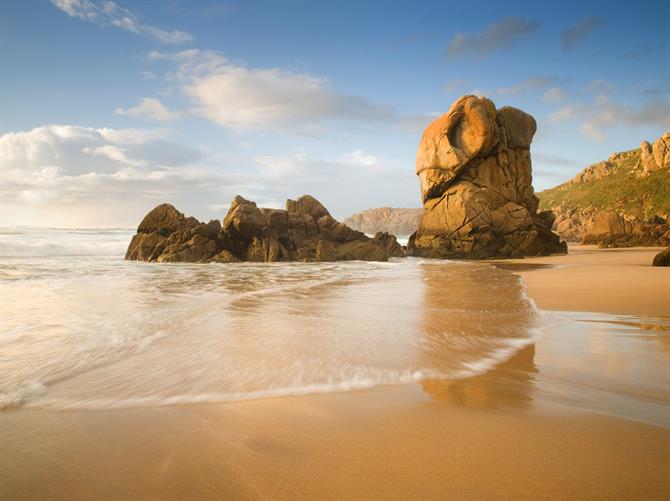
[{"x": 109, "y": 108}]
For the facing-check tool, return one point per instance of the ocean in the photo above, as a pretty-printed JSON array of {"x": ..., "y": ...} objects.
[{"x": 83, "y": 328}]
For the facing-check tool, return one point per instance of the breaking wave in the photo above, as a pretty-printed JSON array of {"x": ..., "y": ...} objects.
[{"x": 83, "y": 332}]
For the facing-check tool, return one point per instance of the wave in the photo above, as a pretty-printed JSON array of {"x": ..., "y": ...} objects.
[
  {"x": 470, "y": 369},
  {"x": 120, "y": 335},
  {"x": 47, "y": 242},
  {"x": 45, "y": 249}
]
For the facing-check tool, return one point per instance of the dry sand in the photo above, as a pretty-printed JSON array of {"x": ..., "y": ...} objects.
[
  {"x": 579, "y": 415},
  {"x": 603, "y": 280}
]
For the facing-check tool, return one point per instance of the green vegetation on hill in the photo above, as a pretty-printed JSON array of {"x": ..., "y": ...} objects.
[{"x": 623, "y": 190}]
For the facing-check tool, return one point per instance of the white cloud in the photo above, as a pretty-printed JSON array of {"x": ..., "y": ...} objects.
[
  {"x": 238, "y": 97},
  {"x": 562, "y": 114},
  {"x": 554, "y": 94},
  {"x": 365, "y": 161},
  {"x": 592, "y": 129},
  {"x": 63, "y": 163},
  {"x": 108, "y": 13},
  {"x": 114, "y": 153},
  {"x": 150, "y": 108},
  {"x": 530, "y": 84},
  {"x": 64, "y": 175},
  {"x": 148, "y": 75},
  {"x": 604, "y": 113}
]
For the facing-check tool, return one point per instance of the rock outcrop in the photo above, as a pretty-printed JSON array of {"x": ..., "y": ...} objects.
[
  {"x": 399, "y": 222},
  {"x": 621, "y": 201},
  {"x": 609, "y": 229},
  {"x": 662, "y": 258},
  {"x": 474, "y": 169},
  {"x": 655, "y": 156},
  {"x": 305, "y": 231}
]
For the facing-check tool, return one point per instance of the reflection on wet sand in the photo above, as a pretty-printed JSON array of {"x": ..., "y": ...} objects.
[
  {"x": 500, "y": 314},
  {"x": 509, "y": 385}
]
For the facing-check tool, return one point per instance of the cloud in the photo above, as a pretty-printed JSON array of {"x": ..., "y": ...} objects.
[
  {"x": 499, "y": 35},
  {"x": 571, "y": 37},
  {"x": 66, "y": 162},
  {"x": 561, "y": 114},
  {"x": 108, "y": 13},
  {"x": 147, "y": 75},
  {"x": 149, "y": 108},
  {"x": 530, "y": 84},
  {"x": 554, "y": 94},
  {"x": 64, "y": 175},
  {"x": 603, "y": 113},
  {"x": 238, "y": 97}
]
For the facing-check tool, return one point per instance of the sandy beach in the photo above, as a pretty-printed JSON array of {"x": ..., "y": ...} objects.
[
  {"x": 591, "y": 279},
  {"x": 580, "y": 414}
]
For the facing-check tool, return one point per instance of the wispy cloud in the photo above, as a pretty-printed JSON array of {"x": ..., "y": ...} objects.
[
  {"x": 571, "y": 37},
  {"x": 530, "y": 84},
  {"x": 554, "y": 94},
  {"x": 603, "y": 113},
  {"x": 239, "y": 97},
  {"x": 108, "y": 13},
  {"x": 498, "y": 35},
  {"x": 149, "y": 108}
]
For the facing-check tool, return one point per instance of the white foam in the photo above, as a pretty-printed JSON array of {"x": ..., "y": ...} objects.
[
  {"x": 66, "y": 242},
  {"x": 130, "y": 334}
]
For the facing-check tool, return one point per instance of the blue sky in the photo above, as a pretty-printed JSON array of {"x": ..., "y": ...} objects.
[{"x": 109, "y": 108}]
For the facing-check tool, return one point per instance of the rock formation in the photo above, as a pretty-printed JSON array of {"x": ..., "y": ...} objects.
[
  {"x": 609, "y": 229},
  {"x": 621, "y": 201},
  {"x": 655, "y": 156},
  {"x": 399, "y": 222},
  {"x": 662, "y": 258},
  {"x": 474, "y": 169},
  {"x": 305, "y": 231}
]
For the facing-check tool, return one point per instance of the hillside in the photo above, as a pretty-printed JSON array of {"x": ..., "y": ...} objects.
[
  {"x": 399, "y": 222},
  {"x": 634, "y": 185}
]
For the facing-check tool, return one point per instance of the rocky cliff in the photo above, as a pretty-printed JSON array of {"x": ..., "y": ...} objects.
[
  {"x": 622, "y": 201},
  {"x": 305, "y": 231},
  {"x": 474, "y": 169},
  {"x": 400, "y": 222}
]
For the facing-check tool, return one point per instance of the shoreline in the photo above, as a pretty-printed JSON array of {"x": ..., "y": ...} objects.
[
  {"x": 614, "y": 281},
  {"x": 565, "y": 417}
]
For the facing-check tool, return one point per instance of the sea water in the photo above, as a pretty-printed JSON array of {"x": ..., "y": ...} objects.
[{"x": 83, "y": 328}]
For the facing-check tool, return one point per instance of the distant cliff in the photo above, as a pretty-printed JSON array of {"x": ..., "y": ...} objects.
[
  {"x": 624, "y": 200},
  {"x": 399, "y": 222}
]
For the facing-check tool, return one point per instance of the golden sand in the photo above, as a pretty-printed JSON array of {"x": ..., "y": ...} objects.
[
  {"x": 592, "y": 279},
  {"x": 578, "y": 415}
]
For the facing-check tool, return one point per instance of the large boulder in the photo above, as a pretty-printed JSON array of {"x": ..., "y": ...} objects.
[
  {"x": 166, "y": 235},
  {"x": 662, "y": 258},
  {"x": 305, "y": 231},
  {"x": 474, "y": 170}
]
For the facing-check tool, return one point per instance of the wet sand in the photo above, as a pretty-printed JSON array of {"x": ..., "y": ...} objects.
[
  {"x": 603, "y": 280},
  {"x": 581, "y": 414}
]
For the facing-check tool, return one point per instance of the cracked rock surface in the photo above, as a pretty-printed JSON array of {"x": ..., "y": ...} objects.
[{"x": 475, "y": 175}]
